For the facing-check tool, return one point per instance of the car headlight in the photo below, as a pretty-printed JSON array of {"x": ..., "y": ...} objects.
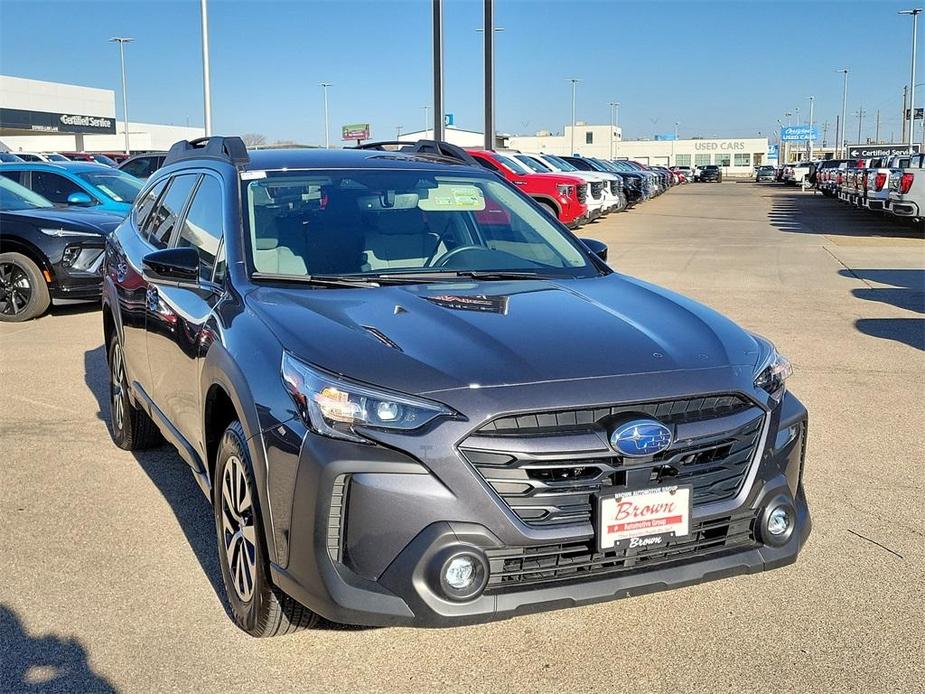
[
  {"x": 67, "y": 232},
  {"x": 565, "y": 189},
  {"x": 773, "y": 370},
  {"x": 334, "y": 407}
]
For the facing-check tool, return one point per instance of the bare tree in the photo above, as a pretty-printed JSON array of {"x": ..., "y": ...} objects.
[{"x": 253, "y": 139}]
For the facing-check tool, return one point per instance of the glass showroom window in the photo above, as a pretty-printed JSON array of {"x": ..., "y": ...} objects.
[
  {"x": 589, "y": 137},
  {"x": 742, "y": 159},
  {"x": 682, "y": 160},
  {"x": 701, "y": 159},
  {"x": 722, "y": 160}
]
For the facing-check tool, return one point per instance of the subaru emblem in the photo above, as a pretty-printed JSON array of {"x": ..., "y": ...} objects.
[{"x": 640, "y": 437}]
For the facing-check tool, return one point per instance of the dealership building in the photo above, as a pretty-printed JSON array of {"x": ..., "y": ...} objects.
[{"x": 37, "y": 116}]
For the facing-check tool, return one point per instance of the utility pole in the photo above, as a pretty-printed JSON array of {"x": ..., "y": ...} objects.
[
  {"x": 844, "y": 110},
  {"x": 574, "y": 82},
  {"x": 825, "y": 132},
  {"x": 915, "y": 27},
  {"x": 837, "y": 147},
  {"x": 614, "y": 105},
  {"x": 327, "y": 129},
  {"x": 438, "y": 69},
  {"x": 122, "y": 40},
  {"x": 860, "y": 114},
  {"x": 206, "y": 79}
]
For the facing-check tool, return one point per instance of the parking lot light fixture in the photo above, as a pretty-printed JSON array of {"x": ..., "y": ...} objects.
[
  {"x": 122, "y": 40},
  {"x": 327, "y": 129},
  {"x": 206, "y": 79},
  {"x": 915, "y": 12},
  {"x": 844, "y": 110},
  {"x": 574, "y": 82}
]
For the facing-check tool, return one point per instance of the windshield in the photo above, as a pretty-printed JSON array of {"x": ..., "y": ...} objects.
[
  {"x": 512, "y": 164},
  {"x": 560, "y": 162},
  {"x": 532, "y": 163},
  {"x": 103, "y": 159},
  {"x": 115, "y": 184},
  {"x": 56, "y": 157},
  {"x": 377, "y": 223},
  {"x": 16, "y": 197}
]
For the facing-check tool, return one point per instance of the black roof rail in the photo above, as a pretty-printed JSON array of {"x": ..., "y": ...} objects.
[
  {"x": 230, "y": 149},
  {"x": 436, "y": 148}
]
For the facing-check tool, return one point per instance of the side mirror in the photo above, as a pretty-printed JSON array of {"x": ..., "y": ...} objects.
[
  {"x": 178, "y": 267},
  {"x": 80, "y": 199},
  {"x": 598, "y": 248}
]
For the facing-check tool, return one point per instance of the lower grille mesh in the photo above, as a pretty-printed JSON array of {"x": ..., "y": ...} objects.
[{"x": 516, "y": 567}]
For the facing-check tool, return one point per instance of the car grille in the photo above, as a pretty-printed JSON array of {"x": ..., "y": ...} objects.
[
  {"x": 583, "y": 193},
  {"x": 615, "y": 186},
  {"x": 597, "y": 188},
  {"x": 513, "y": 568},
  {"x": 548, "y": 466}
]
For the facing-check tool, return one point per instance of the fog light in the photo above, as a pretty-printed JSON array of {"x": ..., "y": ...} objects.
[
  {"x": 779, "y": 521},
  {"x": 460, "y": 572}
]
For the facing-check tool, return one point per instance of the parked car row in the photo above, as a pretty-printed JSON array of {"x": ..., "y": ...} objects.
[
  {"x": 893, "y": 185},
  {"x": 114, "y": 159}
]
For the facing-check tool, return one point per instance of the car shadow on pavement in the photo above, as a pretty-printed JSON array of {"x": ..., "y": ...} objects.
[
  {"x": 906, "y": 291},
  {"x": 46, "y": 663},
  {"x": 170, "y": 474},
  {"x": 812, "y": 213}
]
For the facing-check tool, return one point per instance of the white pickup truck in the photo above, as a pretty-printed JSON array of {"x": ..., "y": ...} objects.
[
  {"x": 795, "y": 173},
  {"x": 907, "y": 190}
]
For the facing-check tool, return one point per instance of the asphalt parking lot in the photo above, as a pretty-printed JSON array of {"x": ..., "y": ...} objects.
[{"x": 109, "y": 578}]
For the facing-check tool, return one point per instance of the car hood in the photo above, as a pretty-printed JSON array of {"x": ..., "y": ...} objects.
[
  {"x": 73, "y": 219},
  {"x": 427, "y": 338}
]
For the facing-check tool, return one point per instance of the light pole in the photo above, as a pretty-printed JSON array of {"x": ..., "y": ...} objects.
[
  {"x": 787, "y": 144},
  {"x": 122, "y": 40},
  {"x": 614, "y": 107},
  {"x": 844, "y": 111},
  {"x": 206, "y": 80},
  {"x": 426, "y": 121},
  {"x": 398, "y": 132},
  {"x": 327, "y": 130},
  {"x": 676, "y": 124},
  {"x": 812, "y": 103},
  {"x": 915, "y": 27},
  {"x": 574, "y": 82},
  {"x": 489, "y": 49}
]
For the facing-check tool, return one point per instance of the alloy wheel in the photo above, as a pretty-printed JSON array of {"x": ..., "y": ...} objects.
[
  {"x": 117, "y": 377},
  {"x": 238, "y": 532},
  {"x": 15, "y": 289}
]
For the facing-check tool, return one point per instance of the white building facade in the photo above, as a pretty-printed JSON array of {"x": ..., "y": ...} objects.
[{"x": 37, "y": 116}]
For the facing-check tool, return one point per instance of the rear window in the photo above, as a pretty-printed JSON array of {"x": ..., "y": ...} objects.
[{"x": 115, "y": 184}]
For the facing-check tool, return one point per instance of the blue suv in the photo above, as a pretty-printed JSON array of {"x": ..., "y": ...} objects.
[{"x": 77, "y": 184}]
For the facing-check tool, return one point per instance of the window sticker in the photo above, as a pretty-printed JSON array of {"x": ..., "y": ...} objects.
[{"x": 453, "y": 197}]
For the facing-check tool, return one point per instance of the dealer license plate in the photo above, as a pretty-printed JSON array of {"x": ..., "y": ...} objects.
[{"x": 642, "y": 517}]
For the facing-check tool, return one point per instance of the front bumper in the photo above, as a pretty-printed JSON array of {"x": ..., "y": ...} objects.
[{"x": 369, "y": 527}]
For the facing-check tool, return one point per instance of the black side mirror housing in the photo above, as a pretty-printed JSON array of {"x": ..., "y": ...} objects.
[
  {"x": 598, "y": 248},
  {"x": 178, "y": 267}
]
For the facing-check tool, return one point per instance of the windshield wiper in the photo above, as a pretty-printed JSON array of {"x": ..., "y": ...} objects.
[
  {"x": 320, "y": 280},
  {"x": 450, "y": 275}
]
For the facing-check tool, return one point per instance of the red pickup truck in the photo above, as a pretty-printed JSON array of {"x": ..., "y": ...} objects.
[{"x": 564, "y": 196}]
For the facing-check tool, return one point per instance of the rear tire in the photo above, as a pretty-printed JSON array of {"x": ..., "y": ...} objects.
[
  {"x": 23, "y": 291},
  {"x": 131, "y": 428},
  {"x": 257, "y": 607}
]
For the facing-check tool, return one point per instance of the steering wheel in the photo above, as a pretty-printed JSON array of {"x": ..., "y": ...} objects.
[{"x": 442, "y": 260}]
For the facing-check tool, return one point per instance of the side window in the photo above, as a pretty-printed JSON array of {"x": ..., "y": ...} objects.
[
  {"x": 202, "y": 228},
  {"x": 221, "y": 266},
  {"x": 164, "y": 218},
  {"x": 144, "y": 205},
  {"x": 487, "y": 164},
  {"x": 15, "y": 176},
  {"x": 54, "y": 187},
  {"x": 137, "y": 167}
]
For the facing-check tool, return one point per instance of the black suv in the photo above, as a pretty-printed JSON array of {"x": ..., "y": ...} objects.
[
  {"x": 711, "y": 174},
  {"x": 47, "y": 254},
  {"x": 413, "y": 398}
]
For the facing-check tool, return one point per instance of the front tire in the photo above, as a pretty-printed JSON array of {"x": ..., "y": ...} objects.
[
  {"x": 257, "y": 607},
  {"x": 131, "y": 428},
  {"x": 23, "y": 291}
]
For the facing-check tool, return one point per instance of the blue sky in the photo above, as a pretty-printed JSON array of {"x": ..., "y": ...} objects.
[{"x": 720, "y": 68}]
